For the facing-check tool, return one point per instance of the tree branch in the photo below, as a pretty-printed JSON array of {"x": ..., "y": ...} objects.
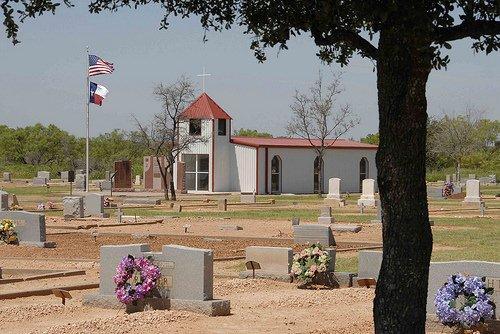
[
  {"x": 352, "y": 38},
  {"x": 473, "y": 29}
]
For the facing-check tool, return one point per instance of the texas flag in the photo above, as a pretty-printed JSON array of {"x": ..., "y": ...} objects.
[{"x": 97, "y": 93}]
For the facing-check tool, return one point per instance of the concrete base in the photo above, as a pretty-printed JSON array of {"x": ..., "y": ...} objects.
[
  {"x": 42, "y": 244},
  {"x": 367, "y": 202},
  {"x": 472, "y": 200},
  {"x": 213, "y": 308},
  {"x": 346, "y": 228},
  {"x": 326, "y": 220},
  {"x": 265, "y": 275}
]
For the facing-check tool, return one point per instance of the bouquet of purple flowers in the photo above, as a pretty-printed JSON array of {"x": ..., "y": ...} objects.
[
  {"x": 464, "y": 302},
  {"x": 135, "y": 278}
]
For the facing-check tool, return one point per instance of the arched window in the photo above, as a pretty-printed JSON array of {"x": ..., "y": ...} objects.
[
  {"x": 363, "y": 172},
  {"x": 318, "y": 171},
  {"x": 276, "y": 175}
]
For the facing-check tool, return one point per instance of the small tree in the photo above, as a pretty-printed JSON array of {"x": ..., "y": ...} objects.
[
  {"x": 460, "y": 136},
  {"x": 164, "y": 136},
  {"x": 314, "y": 118}
]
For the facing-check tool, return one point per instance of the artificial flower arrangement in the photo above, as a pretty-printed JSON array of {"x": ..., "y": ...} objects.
[
  {"x": 135, "y": 278},
  {"x": 464, "y": 302},
  {"x": 8, "y": 233},
  {"x": 309, "y": 263}
]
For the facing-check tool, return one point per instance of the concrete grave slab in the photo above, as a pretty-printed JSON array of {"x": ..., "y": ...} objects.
[{"x": 30, "y": 227}]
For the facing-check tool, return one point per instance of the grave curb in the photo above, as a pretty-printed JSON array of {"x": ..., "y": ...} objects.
[{"x": 212, "y": 308}]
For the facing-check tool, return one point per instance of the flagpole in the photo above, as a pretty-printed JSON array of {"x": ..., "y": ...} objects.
[{"x": 87, "y": 105}]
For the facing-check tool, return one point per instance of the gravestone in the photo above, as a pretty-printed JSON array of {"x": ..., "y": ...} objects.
[
  {"x": 7, "y": 177},
  {"x": 334, "y": 189},
  {"x": 325, "y": 216},
  {"x": 310, "y": 234},
  {"x": 30, "y": 227},
  {"x": 73, "y": 207},
  {"x": 472, "y": 192},
  {"x": 222, "y": 204},
  {"x": 43, "y": 174},
  {"x": 137, "y": 181},
  {"x": 4, "y": 201},
  {"x": 80, "y": 181},
  {"x": 39, "y": 181},
  {"x": 94, "y": 206},
  {"x": 106, "y": 185},
  {"x": 123, "y": 176},
  {"x": 248, "y": 198},
  {"x": 152, "y": 174},
  {"x": 295, "y": 221},
  {"x": 64, "y": 176},
  {"x": 368, "y": 193},
  {"x": 186, "y": 281},
  {"x": 275, "y": 262},
  {"x": 15, "y": 202},
  {"x": 369, "y": 263}
]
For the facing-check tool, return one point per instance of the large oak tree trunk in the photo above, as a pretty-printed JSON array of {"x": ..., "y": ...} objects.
[{"x": 403, "y": 67}]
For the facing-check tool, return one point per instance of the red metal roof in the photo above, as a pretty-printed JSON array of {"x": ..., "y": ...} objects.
[
  {"x": 204, "y": 108},
  {"x": 299, "y": 143}
]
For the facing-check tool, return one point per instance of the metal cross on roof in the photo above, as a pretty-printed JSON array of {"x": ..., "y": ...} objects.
[{"x": 203, "y": 75}]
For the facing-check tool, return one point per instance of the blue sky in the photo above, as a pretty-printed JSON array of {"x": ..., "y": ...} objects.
[{"x": 43, "y": 78}]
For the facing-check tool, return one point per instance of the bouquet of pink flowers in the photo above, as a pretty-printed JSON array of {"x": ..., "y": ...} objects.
[{"x": 310, "y": 262}]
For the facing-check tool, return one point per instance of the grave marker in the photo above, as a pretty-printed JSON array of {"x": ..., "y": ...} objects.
[
  {"x": 325, "y": 216},
  {"x": 43, "y": 174},
  {"x": 310, "y": 234},
  {"x": 368, "y": 193},
  {"x": 30, "y": 227},
  {"x": 123, "y": 176},
  {"x": 334, "y": 189},
  {"x": 274, "y": 262},
  {"x": 73, "y": 207},
  {"x": 7, "y": 177},
  {"x": 94, "y": 205},
  {"x": 472, "y": 190}
]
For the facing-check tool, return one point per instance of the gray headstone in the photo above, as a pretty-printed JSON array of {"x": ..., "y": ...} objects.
[
  {"x": 43, "y": 174},
  {"x": 30, "y": 227},
  {"x": 326, "y": 211},
  {"x": 272, "y": 260},
  {"x": 4, "y": 202},
  {"x": 106, "y": 185},
  {"x": 248, "y": 198},
  {"x": 295, "y": 221},
  {"x": 370, "y": 261},
  {"x": 303, "y": 234},
  {"x": 39, "y": 181},
  {"x": 7, "y": 177},
  {"x": 222, "y": 204},
  {"x": 80, "y": 181},
  {"x": 73, "y": 207},
  {"x": 64, "y": 176},
  {"x": 94, "y": 205}
]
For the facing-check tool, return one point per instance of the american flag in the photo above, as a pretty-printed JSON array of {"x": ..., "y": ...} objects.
[{"x": 98, "y": 66}]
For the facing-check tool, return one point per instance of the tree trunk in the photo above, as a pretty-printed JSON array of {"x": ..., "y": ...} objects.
[
  {"x": 163, "y": 173},
  {"x": 403, "y": 67},
  {"x": 172, "y": 186}
]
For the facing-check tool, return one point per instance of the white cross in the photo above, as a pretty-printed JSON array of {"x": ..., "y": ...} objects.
[{"x": 203, "y": 75}]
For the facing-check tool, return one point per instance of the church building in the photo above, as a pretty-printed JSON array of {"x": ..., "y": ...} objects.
[{"x": 225, "y": 163}]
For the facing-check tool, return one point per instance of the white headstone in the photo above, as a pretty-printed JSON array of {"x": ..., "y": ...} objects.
[
  {"x": 334, "y": 189},
  {"x": 368, "y": 195},
  {"x": 472, "y": 192},
  {"x": 137, "y": 180}
]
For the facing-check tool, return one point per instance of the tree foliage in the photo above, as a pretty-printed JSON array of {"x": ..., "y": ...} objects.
[
  {"x": 371, "y": 138},
  {"x": 251, "y": 133}
]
